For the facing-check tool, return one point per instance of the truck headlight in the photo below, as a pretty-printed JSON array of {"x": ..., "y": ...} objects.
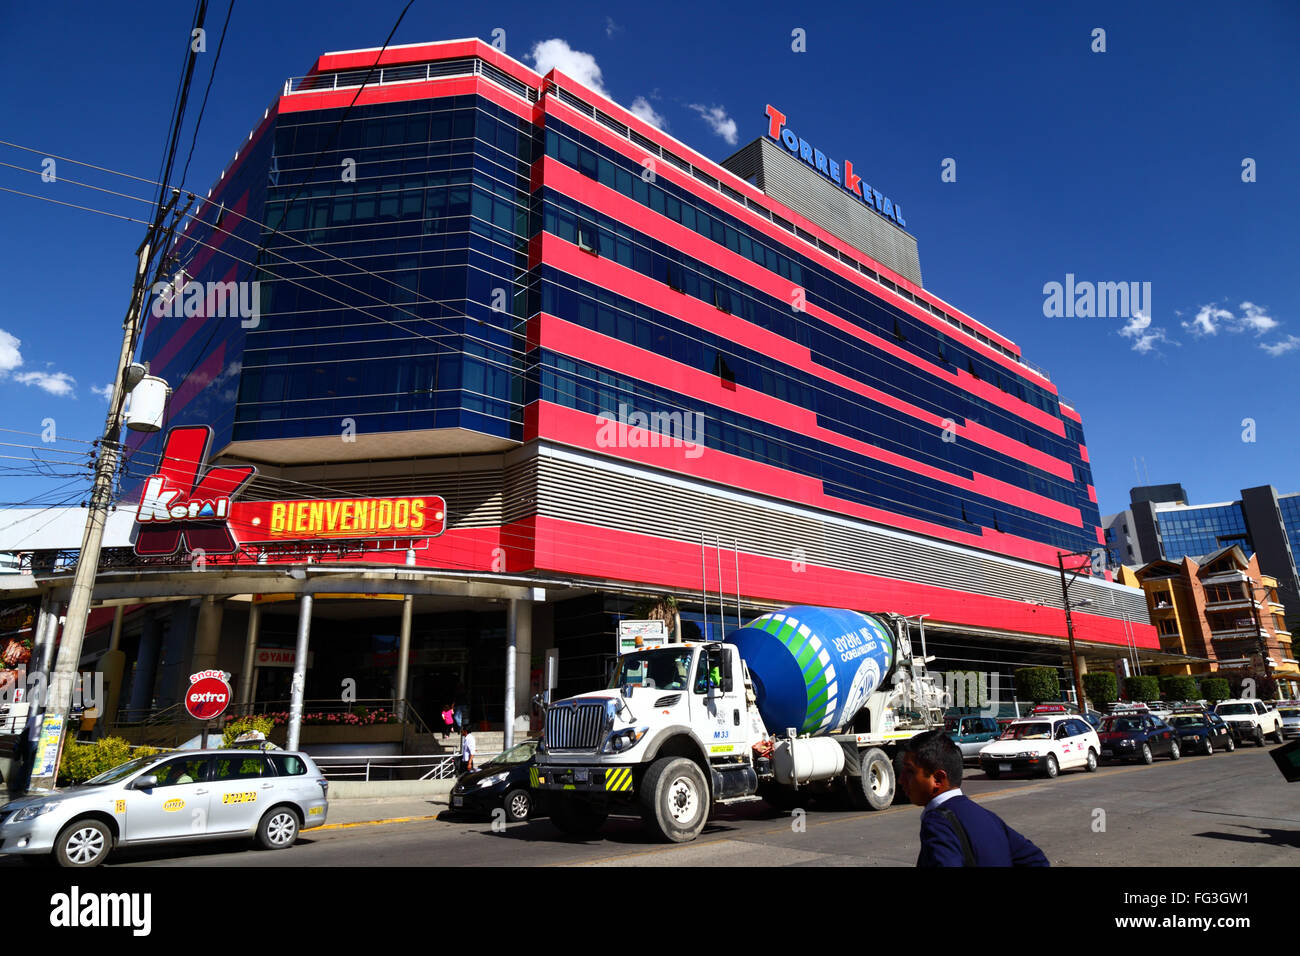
[
  {"x": 31, "y": 813},
  {"x": 494, "y": 779},
  {"x": 622, "y": 740}
]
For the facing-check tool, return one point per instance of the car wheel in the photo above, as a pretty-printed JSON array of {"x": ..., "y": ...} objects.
[
  {"x": 278, "y": 829},
  {"x": 1231, "y": 744},
  {"x": 1092, "y": 761},
  {"x": 519, "y": 806},
  {"x": 1050, "y": 767},
  {"x": 1147, "y": 756},
  {"x": 84, "y": 843},
  {"x": 1174, "y": 750},
  {"x": 1209, "y": 747}
]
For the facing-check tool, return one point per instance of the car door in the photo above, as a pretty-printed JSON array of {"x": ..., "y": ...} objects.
[
  {"x": 176, "y": 808},
  {"x": 242, "y": 788}
]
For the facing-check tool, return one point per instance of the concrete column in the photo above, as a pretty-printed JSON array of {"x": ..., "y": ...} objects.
[
  {"x": 299, "y": 673},
  {"x": 146, "y": 665},
  {"x": 207, "y": 633},
  {"x": 519, "y": 653},
  {"x": 177, "y": 653},
  {"x": 250, "y": 649},
  {"x": 404, "y": 647},
  {"x": 112, "y": 665}
]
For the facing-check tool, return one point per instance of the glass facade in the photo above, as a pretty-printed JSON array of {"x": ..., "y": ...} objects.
[
  {"x": 1290, "y": 507},
  {"x": 1192, "y": 532}
]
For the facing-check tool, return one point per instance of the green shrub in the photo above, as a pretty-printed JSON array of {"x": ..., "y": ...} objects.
[
  {"x": 1038, "y": 684},
  {"x": 1142, "y": 688},
  {"x": 1178, "y": 687},
  {"x": 80, "y": 762},
  {"x": 1215, "y": 688},
  {"x": 1100, "y": 688},
  {"x": 241, "y": 725}
]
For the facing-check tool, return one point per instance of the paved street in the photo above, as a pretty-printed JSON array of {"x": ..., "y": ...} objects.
[{"x": 1225, "y": 810}]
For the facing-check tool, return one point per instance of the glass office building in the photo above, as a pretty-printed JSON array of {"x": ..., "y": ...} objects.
[{"x": 622, "y": 364}]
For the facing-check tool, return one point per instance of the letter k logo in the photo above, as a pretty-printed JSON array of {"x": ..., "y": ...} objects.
[{"x": 160, "y": 530}]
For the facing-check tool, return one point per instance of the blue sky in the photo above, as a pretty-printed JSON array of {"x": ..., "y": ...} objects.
[{"x": 1117, "y": 166}]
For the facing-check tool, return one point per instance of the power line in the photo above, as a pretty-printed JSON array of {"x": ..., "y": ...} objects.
[{"x": 211, "y": 76}]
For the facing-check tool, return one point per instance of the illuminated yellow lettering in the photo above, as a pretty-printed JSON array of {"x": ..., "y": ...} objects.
[
  {"x": 401, "y": 513},
  {"x": 332, "y": 509},
  {"x": 277, "y": 517},
  {"x": 384, "y": 521},
  {"x": 417, "y": 514},
  {"x": 345, "y": 517},
  {"x": 316, "y": 515}
]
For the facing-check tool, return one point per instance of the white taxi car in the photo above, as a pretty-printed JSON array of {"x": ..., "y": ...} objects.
[
  {"x": 176, "y": 797},
  {"x": 1045, "y": 743}
]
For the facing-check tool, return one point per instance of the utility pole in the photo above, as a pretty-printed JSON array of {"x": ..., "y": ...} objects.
[
  {"x": 60, "y": 687},
  {"x": 1069, "y": 623}
]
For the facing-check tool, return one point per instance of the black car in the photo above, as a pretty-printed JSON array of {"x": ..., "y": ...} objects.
[
  {"x": 500, "y": 783},
  {"x": 1200, "y": 732},
  {"x": 1137, "y": 736}
]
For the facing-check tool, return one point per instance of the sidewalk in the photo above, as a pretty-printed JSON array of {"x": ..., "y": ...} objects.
[{"x": 361, "y": 810}]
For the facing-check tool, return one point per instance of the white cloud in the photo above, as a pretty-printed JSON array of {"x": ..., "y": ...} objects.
[
  {"x": 1145, "y": 336},
  {"x": 56, "y": 383},
  {"x": 719, "y": 121},
  {"x": 103, "y": 391},
  {"x": 556, "y": 54},
  {"x": 1288, "y": 344},
  {"x": 611, "y": 27},
  {"x": 10, "y": 356},
  {"x": 642, "y": 110},
  {"x": 1211, "y": 319}
]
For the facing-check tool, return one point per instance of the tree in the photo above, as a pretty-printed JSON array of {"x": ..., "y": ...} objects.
[
  {"x": 663, "y": 608},
  {"x": 1178, "y": 687},
  {"x": 1252, "y": 683},
  {"x": 1100, "y": 688},
  {"x": 1038, "y": 684}
]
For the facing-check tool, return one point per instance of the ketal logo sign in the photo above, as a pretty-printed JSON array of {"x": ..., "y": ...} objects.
[{"x": 182, "y": 509}]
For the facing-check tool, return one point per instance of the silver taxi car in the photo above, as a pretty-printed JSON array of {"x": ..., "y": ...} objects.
[{"x": 175, "y": 797}]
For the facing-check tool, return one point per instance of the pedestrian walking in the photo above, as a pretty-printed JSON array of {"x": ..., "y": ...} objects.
[
  {"x": 467, "y": 750},
  {"x": 448, "y": 720},
  {"x": 955, "y": 830}
]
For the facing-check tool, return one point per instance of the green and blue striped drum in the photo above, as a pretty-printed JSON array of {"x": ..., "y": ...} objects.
[{"x": 814, "y": 667}]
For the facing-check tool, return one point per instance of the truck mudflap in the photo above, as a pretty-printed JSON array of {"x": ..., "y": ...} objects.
[{"x": 586, "y": 779}]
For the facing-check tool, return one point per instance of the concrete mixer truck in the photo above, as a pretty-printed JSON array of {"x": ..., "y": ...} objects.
[{"x": 799, "y": 701}]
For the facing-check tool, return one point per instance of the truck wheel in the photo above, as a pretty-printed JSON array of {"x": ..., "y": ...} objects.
[
  {"x": 576, "y": 818},
  {"x": 1259, "y": 736},
  {"x": 877, "y": 782},
  {"x": 675, "y": 799},
  {"x": 1277, "y": 734}
]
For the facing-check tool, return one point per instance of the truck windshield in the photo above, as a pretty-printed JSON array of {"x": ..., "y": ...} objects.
[
  {"x": 1027, "y": 731},
  {"x": 664, "y": 668},
  {"x": 1230, "y": 709}
]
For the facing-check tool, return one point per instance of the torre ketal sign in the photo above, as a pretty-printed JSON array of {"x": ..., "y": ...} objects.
[{"x": 187, "y": 509}]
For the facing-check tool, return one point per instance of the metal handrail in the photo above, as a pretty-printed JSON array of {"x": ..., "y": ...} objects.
[{"x": 441, "y": 766}]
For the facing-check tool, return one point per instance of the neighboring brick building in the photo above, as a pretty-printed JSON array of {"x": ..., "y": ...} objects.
[{"x": 1216, "y": 607}]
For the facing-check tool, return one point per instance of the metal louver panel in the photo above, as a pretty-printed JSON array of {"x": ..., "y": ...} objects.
[
  {"x": 586, "y": 491},
  {"x": 574, "y": 726}
]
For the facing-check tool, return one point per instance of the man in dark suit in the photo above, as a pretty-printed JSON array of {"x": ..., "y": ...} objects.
[{"x": 956, "y": 831}]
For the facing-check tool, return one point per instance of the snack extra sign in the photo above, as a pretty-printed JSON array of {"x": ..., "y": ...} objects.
[{"x": 185, "y": 507}]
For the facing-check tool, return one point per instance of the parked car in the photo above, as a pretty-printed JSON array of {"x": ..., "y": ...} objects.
[
  {"x": 971, "y": 733},
  {"x": 1252, "y": 719},
  {"x": 1045, "y": 744},
  {"x": 1290, "y": 714},
  {"x": 502, "y": 782},
  {"x": 1137, "y": 736},
  {"x": 1199, "y": 732},
  {"x": 269, "y": 796}
]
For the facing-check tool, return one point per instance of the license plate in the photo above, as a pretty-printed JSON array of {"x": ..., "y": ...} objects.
[
  {"x": 580, "y": 776},
  {"x": 1107, "y": 753},
  {"x": 457, "y": 801},
  {"x": 1004, "y": 766}
]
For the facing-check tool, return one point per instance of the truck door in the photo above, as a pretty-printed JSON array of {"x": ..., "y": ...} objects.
[{"x": 719, "y": 682}]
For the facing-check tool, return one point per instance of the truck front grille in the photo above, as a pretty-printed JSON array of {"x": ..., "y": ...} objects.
[{"x": 575, "y": 727}]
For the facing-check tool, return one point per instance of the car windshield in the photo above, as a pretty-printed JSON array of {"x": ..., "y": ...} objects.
[
  {"x": 1114, "y": 724},
  {"x": 1234, "y": 709},
  {"x": 120, "y": 772},
  {"x": 1289, "y": 711},
  {"x": 1187, "y": 720},
  {"x": 521, "y": 753},
  {"x": 1031, "y": 731},
  {"x": 664, "y": 668}
]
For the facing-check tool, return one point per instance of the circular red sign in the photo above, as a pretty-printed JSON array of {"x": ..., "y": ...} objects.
[{"x": 207, "y": 698}]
